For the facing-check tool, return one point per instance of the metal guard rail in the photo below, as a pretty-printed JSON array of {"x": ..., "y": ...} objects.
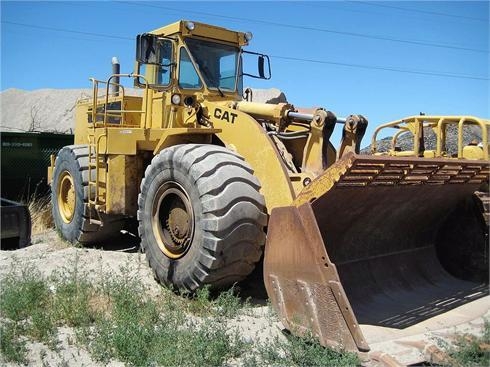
[{"x": 414, "y": 124}]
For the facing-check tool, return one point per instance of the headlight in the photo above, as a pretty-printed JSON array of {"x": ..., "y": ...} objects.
[
  {"x": 176, "y": 99},
  {"x": 248, "y": 36},
  {"x": 190, "y": 26}
]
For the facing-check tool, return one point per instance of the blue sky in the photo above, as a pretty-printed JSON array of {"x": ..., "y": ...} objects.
[{"x": 339, "y": 50}]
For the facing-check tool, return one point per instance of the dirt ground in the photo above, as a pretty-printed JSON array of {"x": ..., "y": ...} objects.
[{"x": 49, "y": 254}]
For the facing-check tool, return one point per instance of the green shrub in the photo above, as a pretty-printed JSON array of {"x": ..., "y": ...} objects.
[
  {"x": 297, "y": 351},
  {"x": 142, "y": 331},
  {"x": 25, "y": 307},
  {"x": 22, "y": 294},
  {"x": 469, "y": 350},
  {"x": 11, "y": 345}
]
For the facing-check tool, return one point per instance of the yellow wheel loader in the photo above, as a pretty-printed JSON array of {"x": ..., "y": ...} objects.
[{"x": 378, "y": 240}]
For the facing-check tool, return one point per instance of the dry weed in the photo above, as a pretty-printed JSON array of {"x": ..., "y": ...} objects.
[
  {"x": 41, "y": 217},
  {"x": 101, "y": 304}
]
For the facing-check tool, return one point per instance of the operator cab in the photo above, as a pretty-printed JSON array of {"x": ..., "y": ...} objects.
[{"x": 195, "y": 57}]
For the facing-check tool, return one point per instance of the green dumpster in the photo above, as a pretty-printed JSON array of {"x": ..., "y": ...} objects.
[{"x": 24, "y": 161}]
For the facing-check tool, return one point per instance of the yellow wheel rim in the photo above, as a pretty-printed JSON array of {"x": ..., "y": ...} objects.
[
  {"x": 66, "y": 197},
  {"x": 172, "y": 220}
]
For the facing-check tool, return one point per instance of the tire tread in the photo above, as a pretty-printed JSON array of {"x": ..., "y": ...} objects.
[{"x": 233, "y": 221}]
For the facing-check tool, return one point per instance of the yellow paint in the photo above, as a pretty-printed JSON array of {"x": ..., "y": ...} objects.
[
  {"x": 274, "y": 112},
  {"x": 171, "y": 137},
  {"x": 149, "y": 123},
  {"x": 312, "y": 161},
  {"x": 473, "y": 152},
  {"x": 66, "y": 197},
  {"x": 204, "y": 31},
  {"x": 324, "y": 182},
  {"x": 438, "y": 124},
  {"x": 312, "y": 152},
  {"x": 123, "y": 181},
  {"x": 251, "y": 141}
]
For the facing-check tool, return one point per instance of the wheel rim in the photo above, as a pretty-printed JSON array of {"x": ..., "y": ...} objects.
[
  {"x": 66, "y": 197},
  {"x": 172, "y": 220}
]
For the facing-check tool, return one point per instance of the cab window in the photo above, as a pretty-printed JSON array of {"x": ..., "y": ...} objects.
[
  {"x": 165, "y": 61},
  {"x": 188, "y": 77},
  {"x": 217, "y": 63},
  {"x": 158, "y": 69}
]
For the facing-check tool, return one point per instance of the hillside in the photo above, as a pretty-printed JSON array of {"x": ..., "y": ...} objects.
[
  {"x": 53, "y": 110},
  {"x": 48, "y": 110}
]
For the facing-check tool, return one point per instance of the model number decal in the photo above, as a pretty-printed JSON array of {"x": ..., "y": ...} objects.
[{"x": 225, "y": 115}]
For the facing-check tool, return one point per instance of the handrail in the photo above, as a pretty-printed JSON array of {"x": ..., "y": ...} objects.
[
  {"x": 131, "y": 75},
  {"x": 96, "y": 97},
  {"x": 415, "y": 123},
  {"x": 106, "y": 113},
  {"x": 108, "y": 84},
  {"x": 95, "y": 141},
  {"x": 393, "y": 124},
  {"x": 460, "y": 121},
  {"x": 483, "y": 127},
  {"x": 395, "y": 137},
  {"x": 146, "y": 95},
  {"x": 404, "y": 129}
]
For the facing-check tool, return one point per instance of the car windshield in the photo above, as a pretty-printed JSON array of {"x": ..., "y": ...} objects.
[{"x": 216, "y": 62}]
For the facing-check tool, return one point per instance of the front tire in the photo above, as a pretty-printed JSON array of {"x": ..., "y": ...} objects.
[{"x": 201, "y": 217}]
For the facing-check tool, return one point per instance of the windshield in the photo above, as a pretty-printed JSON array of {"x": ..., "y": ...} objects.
[{"x": 216, "y": 62}]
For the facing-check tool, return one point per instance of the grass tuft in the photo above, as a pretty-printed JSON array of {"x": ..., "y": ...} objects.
[
  {"x": 12, "y": 345},
  {"x": 73, "y": 303},
  {"x": 22, "y": 296},
  {"x": 226, "y": 304},
  {"x": 41, "y": 216},
  {"x": 469, "y": 350},
  {"x": 143, "y": 331},
  {"x": 25, "y": 300},
  {"x": 297, "y": 351}
]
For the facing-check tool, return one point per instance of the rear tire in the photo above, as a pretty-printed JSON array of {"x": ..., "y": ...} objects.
[
  {"x": 201, "y": 217},
  {"x": 69, "y": 198}
]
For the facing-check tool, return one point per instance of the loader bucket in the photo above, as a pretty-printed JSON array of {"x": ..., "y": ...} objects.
[{"x": 382, "y": 241}]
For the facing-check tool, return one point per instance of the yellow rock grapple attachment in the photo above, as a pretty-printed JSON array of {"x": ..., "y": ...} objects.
[{"x": 383, "y": 241}]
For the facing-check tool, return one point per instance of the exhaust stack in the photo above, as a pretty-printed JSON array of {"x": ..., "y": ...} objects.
[{"x": 116, "y": 70}]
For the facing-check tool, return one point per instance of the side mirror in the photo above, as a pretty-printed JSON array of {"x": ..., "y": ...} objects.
[
  {"x": 263, "y": 65},
  {"x": 146, "y": 49}
]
